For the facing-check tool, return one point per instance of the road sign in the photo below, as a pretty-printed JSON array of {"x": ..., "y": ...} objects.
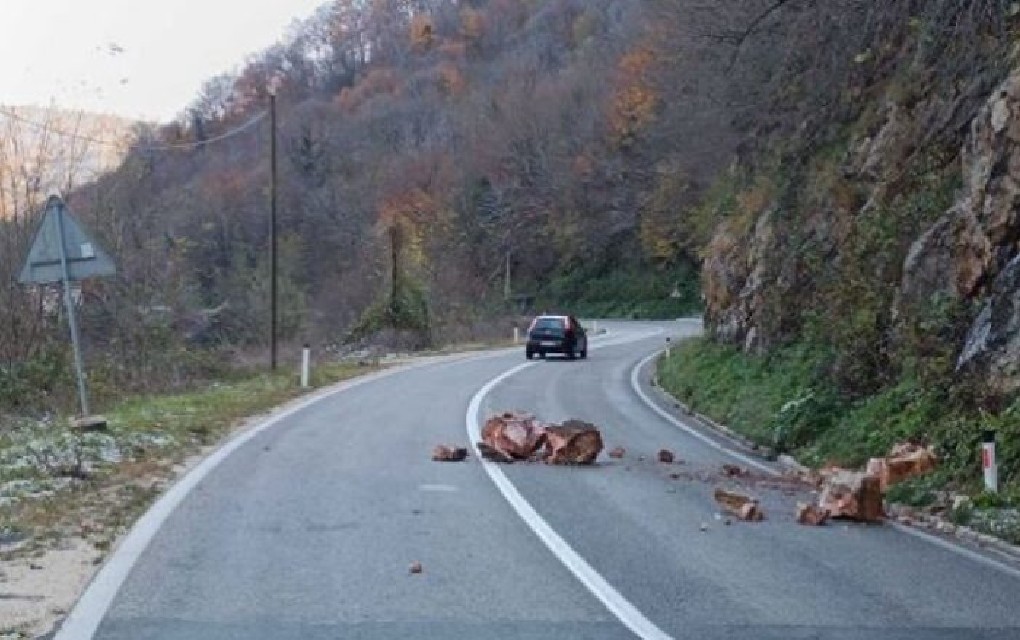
[
  {"x": 84, "y": 257},
  {"x": 62, "y": 252}
]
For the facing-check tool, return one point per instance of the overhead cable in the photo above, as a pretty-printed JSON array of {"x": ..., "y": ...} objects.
[{"x": 47, "y": 128}]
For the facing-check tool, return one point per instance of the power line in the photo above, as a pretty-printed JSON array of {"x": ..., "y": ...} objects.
[{"x": 182, "y": 146}]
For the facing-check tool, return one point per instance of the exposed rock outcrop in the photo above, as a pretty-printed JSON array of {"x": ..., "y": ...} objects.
[{"x": 968, "y": 255}]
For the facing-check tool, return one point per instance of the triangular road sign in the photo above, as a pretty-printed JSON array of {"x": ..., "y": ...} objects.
[{"x": 85, "y": 258}]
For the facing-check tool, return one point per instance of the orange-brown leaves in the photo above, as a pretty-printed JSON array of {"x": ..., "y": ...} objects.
[
  {"x": 377, "y": 82},
  {"x": 472, "y": 23},
  {"x": 422, "y": 32},
  {"x": 635, "y": 101},
  {"x": 451, "y": 79},
  {"x": 412, "y": 206}
]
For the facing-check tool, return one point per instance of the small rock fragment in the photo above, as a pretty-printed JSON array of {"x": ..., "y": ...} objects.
[
  {"x": 666, "y": 456},
  {"x": 704, "y": 527},
  {"x": 444, "y": 453},
  {"x": 35, "y": 567},
  {"x": 674, "y": 476},
  {"x": 732, "y": 470},
  {"x": 415, "y": 568},
  {"x": 811, "y": 515},
  {"x": 617, "y": 452},
  {"x": 742, "y": 506}
]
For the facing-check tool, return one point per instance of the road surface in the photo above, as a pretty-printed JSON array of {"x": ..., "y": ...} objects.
[{"x": 308, "y": 529}]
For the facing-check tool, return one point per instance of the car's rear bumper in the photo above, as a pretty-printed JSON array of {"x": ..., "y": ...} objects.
[{"x": 548, "y": 346}]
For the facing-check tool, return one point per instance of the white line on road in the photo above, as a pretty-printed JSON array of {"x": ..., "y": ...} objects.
[
  {"x": 90, "y": 609},
  {"x": 619, "y": 606},
  {"x": 939, "y": 542},
  {"x": 690, "y": 430}
]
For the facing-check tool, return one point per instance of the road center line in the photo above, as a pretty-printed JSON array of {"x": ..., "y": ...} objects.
[{"x": 619, "y": 606}]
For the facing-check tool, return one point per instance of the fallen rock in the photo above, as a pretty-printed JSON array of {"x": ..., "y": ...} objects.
[
  {"x": 742, "y": 506},
  {"x": 617, "y": 452},
  {"x": 444, "y": 453},
  {"x": 852, "y": 494},
  {"x": 415, "y": 568},
  {"x": 573, "y": 442},
  {"x": 733, "y": 471},
  {"x": 904, "y": 461},
  {"x": 516, "y": 436},
  {"x": 811, "y": 515},
  {"x": 494, "y": 454},
  {"x": 666, "y": 456}
]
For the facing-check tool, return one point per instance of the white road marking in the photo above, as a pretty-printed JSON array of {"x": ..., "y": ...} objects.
[
  {"x": 619, "y": 606},
  {"x": 937, "y": 541},
  {"x": 690, "y": 430},
  {"x": 441, "y": 488},
  {"x": 90, "y": 609}
]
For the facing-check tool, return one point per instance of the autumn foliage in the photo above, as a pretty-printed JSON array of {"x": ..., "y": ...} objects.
[{"x": 635, "y": 100}]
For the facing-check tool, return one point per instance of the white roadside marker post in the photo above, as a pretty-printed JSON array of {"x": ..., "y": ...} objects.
[
  {"x": 517, "y": 335},
  {"x": 306, "y": 358},
  {"x": 988, "y": 463},
  {"x": 669, "y": 347}
]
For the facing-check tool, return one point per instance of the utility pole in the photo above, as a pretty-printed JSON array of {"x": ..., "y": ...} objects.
[
  {"x": 506, "y": 283},
  {"x": 272, "y": 215}
]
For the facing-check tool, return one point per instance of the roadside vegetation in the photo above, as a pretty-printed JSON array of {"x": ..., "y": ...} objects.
[
  {"x": 786, "y": 402},
  {"x": 57, "y": 482}
]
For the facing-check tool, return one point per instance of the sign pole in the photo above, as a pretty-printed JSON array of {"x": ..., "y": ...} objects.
[{"x": 69, "y": 303}]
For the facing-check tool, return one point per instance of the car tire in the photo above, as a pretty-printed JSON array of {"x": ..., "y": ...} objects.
[
  {"x": 529, "y": 355},
  {"x": 584, "y": 352}
]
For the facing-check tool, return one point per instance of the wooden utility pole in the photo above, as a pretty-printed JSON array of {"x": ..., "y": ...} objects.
[{"x": 272, "y": 215}]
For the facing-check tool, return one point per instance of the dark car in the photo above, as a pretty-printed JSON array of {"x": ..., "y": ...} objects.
[{"x": 556, "y": 334}]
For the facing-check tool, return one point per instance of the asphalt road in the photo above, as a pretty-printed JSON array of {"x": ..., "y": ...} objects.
[{"x": 307, "y": 531}]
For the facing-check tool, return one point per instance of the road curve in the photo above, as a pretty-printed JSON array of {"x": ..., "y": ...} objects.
[{"x": 307, "y": 531}]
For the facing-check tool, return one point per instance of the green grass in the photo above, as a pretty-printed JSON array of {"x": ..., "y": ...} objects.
[
  {"x": 204, "y": 416},
  {"x": 785, "y": 401},
  {"x": 154, "y": 432},
  {"x": 745, "y": 393}
]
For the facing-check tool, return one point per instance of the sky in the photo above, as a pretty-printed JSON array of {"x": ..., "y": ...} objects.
[{"x": 141, "y": 59}]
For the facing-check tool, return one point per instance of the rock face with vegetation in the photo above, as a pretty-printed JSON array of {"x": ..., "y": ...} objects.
[
  {"x": 886, "y": 227},
  {"x": 861, "y": 252}
]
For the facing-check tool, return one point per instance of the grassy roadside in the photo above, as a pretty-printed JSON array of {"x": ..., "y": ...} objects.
[
  {"x": 782, "y": 401},
  {"x": 55, "y": 483}
]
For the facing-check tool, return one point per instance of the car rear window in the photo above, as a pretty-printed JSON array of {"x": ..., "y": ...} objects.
[{"x": 549, "y": 323}]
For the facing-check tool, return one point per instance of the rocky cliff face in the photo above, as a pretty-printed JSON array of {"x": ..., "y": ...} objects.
[{"x": 969, "y": 254}]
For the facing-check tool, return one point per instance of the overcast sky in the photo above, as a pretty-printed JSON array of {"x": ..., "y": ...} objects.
[{"x": 142, "y": 59}]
